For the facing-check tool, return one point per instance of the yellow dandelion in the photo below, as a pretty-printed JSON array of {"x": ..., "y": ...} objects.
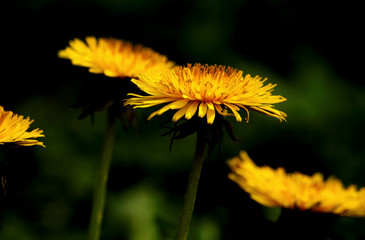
[
  {"x": 13, "y": 129},
  {"x": 205, "y": 90},
  {"x": 276, "y": 188},
  {"x": 114, "y": 57}
]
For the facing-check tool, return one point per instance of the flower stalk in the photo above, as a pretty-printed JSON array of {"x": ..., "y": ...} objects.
[
  {"x": 100, "y": 187},
  {"x": 192, "y": 188}
]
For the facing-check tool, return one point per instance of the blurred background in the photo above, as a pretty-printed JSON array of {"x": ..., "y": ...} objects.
[{"x": 312, "y": 49}]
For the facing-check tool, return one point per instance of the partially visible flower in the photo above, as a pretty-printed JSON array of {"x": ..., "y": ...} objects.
[
  {"x": 114, "y": 57},
  {"x": 205, "y": 90},
  {"x": 13, "y": 129},
  {"x": 118, "y": 61},
  {"x": 276, "y": 188}
]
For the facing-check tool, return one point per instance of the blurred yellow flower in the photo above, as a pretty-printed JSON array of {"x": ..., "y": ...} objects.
[
  {"x": 276, "y": 188},
  {"x": 13, "y": 129},
  {"x": 205, "y": 90},
  {"x": 114, "y": 57}
]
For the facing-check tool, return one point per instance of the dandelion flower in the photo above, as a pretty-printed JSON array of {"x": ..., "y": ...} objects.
[
  {"x": 276, "y": 188},
  {"x": 13, "y": 129},
  {"x": 114, "y": 57},
  {"x": 205, "y": 90}
]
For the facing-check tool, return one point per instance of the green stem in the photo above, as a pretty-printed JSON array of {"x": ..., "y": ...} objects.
[
  {"x": 192, "y": 188},
  {"x": 101, "y": 178}
]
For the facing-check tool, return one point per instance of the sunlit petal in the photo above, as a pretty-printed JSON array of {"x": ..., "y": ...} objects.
[{"x": 202, "y": 109}]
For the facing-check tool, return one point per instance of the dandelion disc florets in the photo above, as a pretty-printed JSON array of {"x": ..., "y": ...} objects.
[{"x": 205, "y": 90}]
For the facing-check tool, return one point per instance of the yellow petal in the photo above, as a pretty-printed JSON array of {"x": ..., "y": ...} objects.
[
  {"x": 218, "y": 108},
  {"x": 191, "y": 110},
  {"x": 210, "y": 116},
  {"x": 210, "y": 105},
  {"x": 174, "y": 105},
  {"x": 234, "y": 110},
  {"x": 179, "y": 114},
  {"x": 202, "y": 109}
]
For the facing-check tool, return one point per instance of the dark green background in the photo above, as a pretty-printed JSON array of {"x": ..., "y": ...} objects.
[{"x": 312, "y": 49}]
